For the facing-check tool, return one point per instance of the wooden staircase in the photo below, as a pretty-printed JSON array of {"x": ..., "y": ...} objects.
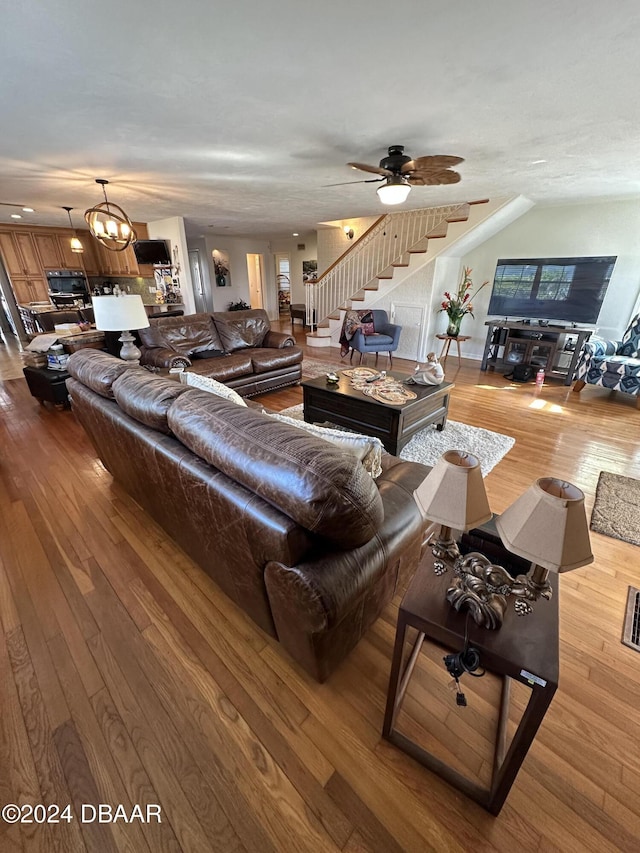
[{"x": 420, "y": 237}]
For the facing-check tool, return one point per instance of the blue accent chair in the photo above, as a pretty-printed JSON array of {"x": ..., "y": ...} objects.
[
  {"x": 612, "y": 364},
  {"x": 386, "y": 338}
]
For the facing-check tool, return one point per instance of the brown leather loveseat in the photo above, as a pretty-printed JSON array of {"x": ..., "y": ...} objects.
[
  {"x": 235, "y": 347},
  {"x": 291, "y": 527}
]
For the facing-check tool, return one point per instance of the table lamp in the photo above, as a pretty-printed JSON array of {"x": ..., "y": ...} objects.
[
  {"x": 121, "y": 314},
  {"x": 453, "y": 496},
  {"x": 546, "y": 525}
]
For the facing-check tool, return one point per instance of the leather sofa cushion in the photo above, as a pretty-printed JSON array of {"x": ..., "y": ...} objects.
[
  {"x": 97, "y": 370},
  {"x": 264, "y": 360},
  {"x": 146, "y": 397},
  {"x": 322, "y": 488},
  {"x": 224, "y": 369},
  {"x": 241, "y": 329},
  {"x": 194, "y": 333}
]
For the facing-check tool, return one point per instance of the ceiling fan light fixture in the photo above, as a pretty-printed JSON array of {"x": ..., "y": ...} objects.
[
  {"x": 395, "y": 190},
  {"x": 75, "y": 244},
  {"x": 109, "y": 224}
]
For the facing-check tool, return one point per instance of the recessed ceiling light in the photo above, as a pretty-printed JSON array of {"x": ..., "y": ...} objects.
[
  {"x": 295, "y": 234},
  {"x": 28, "y": 210},
  {"x": 16, "y": 216}
]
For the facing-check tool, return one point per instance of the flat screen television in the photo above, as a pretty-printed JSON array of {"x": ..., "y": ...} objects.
[
  {"x": 152, "y": 252},
  {"x": 568, "y": 289}
]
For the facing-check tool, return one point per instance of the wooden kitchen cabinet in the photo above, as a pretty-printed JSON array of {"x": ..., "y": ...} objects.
[
  {"x": 11, "y": 253},
  {"x": 29, "y": 254},
  {"x": 70, "y": 260},
  {"x": 28, "y": 290},
  {"x": 90, "y": 255},
  {"x": 48, "y": 248},
  {"x": 19, "y": 253}
]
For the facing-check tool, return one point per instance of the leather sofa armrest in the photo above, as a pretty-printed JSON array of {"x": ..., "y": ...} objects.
[
  {"x": 163, "y": 357},
  {"x": 278, "y": 340},
  {"x": 320, "y": 592}
]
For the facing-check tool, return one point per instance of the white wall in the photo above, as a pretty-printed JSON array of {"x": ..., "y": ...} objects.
[
  {"x": 333, "y": 242},
  {"x": 597, "y": 228},
  {"x": 172, "y": 230},
  {"x": 238, "y": 248}
]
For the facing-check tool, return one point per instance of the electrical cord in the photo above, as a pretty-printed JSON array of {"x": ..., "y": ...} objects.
[{"x": 467, "y": 660}]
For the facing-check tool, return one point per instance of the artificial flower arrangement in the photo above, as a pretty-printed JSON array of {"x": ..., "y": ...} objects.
[{"x": 460, "y": 304}]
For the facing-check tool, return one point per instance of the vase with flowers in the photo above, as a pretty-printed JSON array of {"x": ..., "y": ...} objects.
[{"x": 460, "y": 304}]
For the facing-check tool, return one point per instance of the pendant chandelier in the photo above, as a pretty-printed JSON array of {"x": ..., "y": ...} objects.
[
  {"x": 76, "y": 245},
  {"x": 109, "y": 224}
]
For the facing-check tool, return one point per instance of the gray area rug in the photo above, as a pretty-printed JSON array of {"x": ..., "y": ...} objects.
[
  {"x": 312, "y": 368},
  {"x": 429, "y": 444},
  {"x": 616, "y": 511}
]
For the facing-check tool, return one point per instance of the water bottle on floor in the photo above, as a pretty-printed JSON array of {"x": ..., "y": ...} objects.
[{"x": 540, "y": 378}]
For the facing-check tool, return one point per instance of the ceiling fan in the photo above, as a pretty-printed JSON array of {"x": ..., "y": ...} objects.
[{"x": 400, "y": 172}]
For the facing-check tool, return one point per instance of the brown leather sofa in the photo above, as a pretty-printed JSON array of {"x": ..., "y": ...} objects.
[
  {"x": 290, "y": 527},
  {"x": 235, "y": 347}
]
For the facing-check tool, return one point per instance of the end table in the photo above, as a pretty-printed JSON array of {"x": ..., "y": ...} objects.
[
  {"x": 447, "y": 343},
  {"x": 525, "y": 649}
]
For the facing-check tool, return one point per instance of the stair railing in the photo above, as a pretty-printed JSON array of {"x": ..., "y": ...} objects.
[{"x": 383, "y": 244}]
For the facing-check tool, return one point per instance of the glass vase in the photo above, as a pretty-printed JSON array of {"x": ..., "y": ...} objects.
[{"x": 453, "y": 329}]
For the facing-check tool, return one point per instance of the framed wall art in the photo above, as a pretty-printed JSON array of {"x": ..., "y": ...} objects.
[{"x": 221, "y": 267}]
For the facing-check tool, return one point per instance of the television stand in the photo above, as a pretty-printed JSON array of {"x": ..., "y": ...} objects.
[{"x": 556, "y": 349}]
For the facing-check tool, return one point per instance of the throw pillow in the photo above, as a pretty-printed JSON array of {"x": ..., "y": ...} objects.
[
  {"x": 366, "y": 448},
  {"x": 206, "y": 383},
  {"x": 366, "y": 323}
]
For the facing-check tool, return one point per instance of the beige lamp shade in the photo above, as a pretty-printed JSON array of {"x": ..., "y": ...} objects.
[
  {"x": 453, "y": 493},
  {"x": 548, "y": 525},
  {"x": 119, "y": 313}
]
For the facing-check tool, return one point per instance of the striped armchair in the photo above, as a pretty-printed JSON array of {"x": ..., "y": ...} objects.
[{"x": 612, "y": 364}]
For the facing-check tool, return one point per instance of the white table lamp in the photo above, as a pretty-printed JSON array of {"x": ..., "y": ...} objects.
[{"x": 121, "y": 314}]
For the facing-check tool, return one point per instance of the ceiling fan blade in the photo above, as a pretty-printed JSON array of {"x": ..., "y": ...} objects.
[
  {"x": 365, "y": 181},
  {"x": 375, "y": 169},
  {"x": 432, "y": 163},
  {"x": 431, "y": 179}
]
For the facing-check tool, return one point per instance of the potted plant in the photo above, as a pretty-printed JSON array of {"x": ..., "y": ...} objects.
[
  {"x": 460, "y": 304},
  {"x": 240, "y": 305}
]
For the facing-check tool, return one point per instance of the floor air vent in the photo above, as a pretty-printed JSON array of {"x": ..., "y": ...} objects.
[{"x": 631, "y": 630}]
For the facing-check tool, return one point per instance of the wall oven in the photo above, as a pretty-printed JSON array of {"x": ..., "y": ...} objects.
[{"x": 68, "y": 287}]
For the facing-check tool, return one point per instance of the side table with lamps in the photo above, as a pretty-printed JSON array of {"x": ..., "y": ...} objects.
[{"x": 547, "y": 525}]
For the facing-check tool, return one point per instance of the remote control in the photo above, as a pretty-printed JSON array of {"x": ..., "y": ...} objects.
[{"x": 373, "y": 378}]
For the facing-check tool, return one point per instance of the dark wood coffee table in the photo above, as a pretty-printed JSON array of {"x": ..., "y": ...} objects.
[{"x": 395, "y": 426}]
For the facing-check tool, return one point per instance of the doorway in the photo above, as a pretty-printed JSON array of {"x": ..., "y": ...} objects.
[
  {"x": 255, "y": 270},
  {"x": 283, "y": 282}
]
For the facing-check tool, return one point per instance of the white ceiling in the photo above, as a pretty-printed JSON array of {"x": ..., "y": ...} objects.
[{"x": 235, "y": 114}]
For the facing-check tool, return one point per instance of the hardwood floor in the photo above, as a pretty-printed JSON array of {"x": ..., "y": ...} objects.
[{"x": 127, "y": 677}]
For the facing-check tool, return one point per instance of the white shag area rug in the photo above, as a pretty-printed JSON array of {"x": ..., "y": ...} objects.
[{"x": 429, "y": 444}]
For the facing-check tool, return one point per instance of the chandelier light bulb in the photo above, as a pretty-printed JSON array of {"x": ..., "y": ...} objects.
[{"x": 109, "y": 224}]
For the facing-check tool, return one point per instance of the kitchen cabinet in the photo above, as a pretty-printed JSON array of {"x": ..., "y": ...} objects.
[
  {"x": 48, "y": 249},
  {"x": 70, "y": 260},
  {"x": 30, "y": 290},
  {"x": 19, "y": 253},
  {"x": 90, "y": 254},
  {"x": 28, "y": 252}
]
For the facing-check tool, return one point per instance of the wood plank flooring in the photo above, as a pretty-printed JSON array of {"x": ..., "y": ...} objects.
[{"x": 127, "y": 677}]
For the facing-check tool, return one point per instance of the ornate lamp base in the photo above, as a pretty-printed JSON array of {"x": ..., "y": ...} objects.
[
  {"x": 482, "y": 588},
  {"x": 129, "y": 351}
]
